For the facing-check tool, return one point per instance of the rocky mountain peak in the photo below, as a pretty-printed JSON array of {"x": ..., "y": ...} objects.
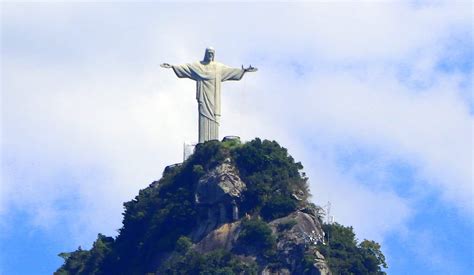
[{"x": 230, "y": 208}]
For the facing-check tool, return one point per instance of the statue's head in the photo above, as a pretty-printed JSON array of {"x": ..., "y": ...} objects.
[{"x": 209, "y": 54}]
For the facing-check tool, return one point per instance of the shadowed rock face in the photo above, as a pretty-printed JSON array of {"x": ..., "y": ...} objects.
[
  {"x": 222, "y": 184},
  {"x": 217, "y": 195}
]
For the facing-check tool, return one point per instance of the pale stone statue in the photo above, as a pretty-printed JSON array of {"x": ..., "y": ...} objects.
[{"x": 208, "y": 75}]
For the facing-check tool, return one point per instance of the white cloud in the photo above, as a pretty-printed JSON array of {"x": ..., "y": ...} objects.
[
  {"x": 95, "y": 118},
  {"x": 431, "y": 130}
]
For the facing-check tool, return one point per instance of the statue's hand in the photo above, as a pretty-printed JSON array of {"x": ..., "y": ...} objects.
[
  {"x": 166, "y": 65},
  {"x": 249, "y": 69}
]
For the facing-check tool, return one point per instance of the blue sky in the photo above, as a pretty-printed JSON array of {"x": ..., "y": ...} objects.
[{"x": 375, "y": 99}]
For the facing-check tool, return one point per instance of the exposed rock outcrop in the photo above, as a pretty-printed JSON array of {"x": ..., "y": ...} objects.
[
  {"x": 219, "y": 191},
  {"x": 220, "y": 185},
  {"x": 223, "y": 237},
  {"x": 217, "y": 195},
  {"x": 298, "y": 234}
]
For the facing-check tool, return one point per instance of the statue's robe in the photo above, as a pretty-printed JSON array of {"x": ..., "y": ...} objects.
[{"x": 208, "y": 77}]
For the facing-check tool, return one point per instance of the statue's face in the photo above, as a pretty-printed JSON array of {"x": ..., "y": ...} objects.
[{"x": 209, "y": 56}]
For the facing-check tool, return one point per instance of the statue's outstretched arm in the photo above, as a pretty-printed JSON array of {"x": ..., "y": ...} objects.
[
  {"x": 249, "y": 69},
  {"x": 181, "y": 71}
]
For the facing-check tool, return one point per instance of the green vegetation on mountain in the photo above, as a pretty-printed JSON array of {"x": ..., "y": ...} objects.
[
  {"x": 216, "y": 262},
  {"x": 272, "y": 176},
  {"x": 158, "y": 223},
  {"x": 257, "y": 235},
  {"x": 346, "y": 256}
]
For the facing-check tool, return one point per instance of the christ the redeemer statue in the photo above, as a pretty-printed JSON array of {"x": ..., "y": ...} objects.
[{"x": 208, "y": 75}]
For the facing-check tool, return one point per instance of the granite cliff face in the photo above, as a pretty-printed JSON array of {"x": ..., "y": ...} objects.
[
  {"x": 231, "y": 208},
  {"x": 219, "y": 195}
]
